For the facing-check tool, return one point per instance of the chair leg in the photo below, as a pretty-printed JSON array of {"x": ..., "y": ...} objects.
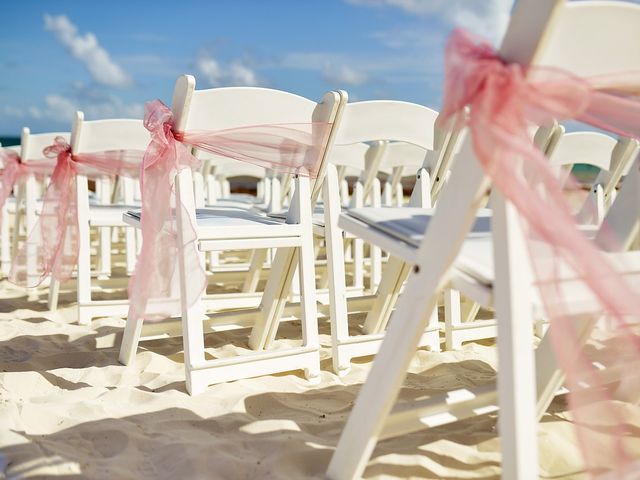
[
  {"x": 273, "y": 298},
  {"x": 414, "y": 311},
  {"x": 5, "y": 252},
  {"x": 193, "y": 342},
  {"x": 17, "y": 220},
  {"x": 130, "y": 249},
  {"x": 517, "y": 421},
  {"x": 213, "y": 259},
  {"x": 308, "y": 308},
  {"x": 452, "y": 318},
  {"x": 336, "y": 275},
  {"x": 252, "y": 278},
  {"x": 295, "y": 284},
  {"x": 549, "y": 376},
  {"x": 192, "y": 315},
  {"x": 30, "y": 223},
  {"x": 387, "y": 295},
  {"x": 130, "y": 340},
  {"x": 104, "y": 233},
  {"x": 375, "y": 252},
  {"x": 84, "y": 252},
  {"x": 282, "y": 271},
  {"x": 358, "y": 262},
  {"x": 105, "y": 253},
  {"x": 323, "y": 282},
  {"x": 54, "y": 294},
  {"x": 378, "y": 394}
]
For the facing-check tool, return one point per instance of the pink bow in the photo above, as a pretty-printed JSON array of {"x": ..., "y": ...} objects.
[
  {"x": 13, "y": 170},
  {"x": 504, "y": 100},
  {"x": 156, "y": 265},
  {"x": 291, "y": 147},
  {"x": 52, "y": 245}
]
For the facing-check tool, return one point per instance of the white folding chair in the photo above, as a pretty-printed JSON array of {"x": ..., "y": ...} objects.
[
  {"x": 89, "y": 137},
  {"x": 564, "y": 150},
  {"x": 217, "y": 171},
  {"x": 28, "y": 197},
  {"x": 5, "y": 238},
  {"x": 224, "y": 108},
  {"x": 612, "y": 157},
  {"x": 368, "y": 121},
  {"x": 539, "y": 31}
]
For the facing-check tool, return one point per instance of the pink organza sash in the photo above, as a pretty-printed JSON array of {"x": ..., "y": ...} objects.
[
  {"x": 293, "y": 148},
  {"x": 52, "y": 245},
  {"x": 504, "y": 99},
  {"x": 14, "y": 171}
]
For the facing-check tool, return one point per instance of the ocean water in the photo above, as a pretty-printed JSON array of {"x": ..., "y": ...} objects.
[
  {"x": 584, "y": 173},
  {"x": 8, "y": 141}
]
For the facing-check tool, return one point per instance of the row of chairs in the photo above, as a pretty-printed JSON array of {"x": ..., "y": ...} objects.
[
  {"x": 411, "y": 248},
  {"x": 231, "y": 223}
]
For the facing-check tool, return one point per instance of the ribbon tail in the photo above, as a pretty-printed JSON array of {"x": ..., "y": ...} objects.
[
  {"x": 154, "y": 291},
  {"x": 51, "y": 246}
]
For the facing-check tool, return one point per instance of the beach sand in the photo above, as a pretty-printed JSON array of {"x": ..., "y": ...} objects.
[{"x": 69, "y": 409}]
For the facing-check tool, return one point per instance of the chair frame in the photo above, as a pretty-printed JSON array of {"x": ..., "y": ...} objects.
[{"x": 294, "y": 243}]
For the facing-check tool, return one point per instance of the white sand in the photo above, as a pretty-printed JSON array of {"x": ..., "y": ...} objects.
[{"x": 67, "y": 408}]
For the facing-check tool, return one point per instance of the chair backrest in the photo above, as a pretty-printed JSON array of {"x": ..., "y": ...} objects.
[
  {"x": 593, "y": 37},
  {"x": 393, "y": 121},
  {"x": 587, "y": 38},
  {"x": 408, "y": 156},
  {"x": 350, "y": 157},
  {"x": 218, "y": 165},
  {"x": 590, "y": 148},
  {"x": 104, "y": 135},
  {"x": 624, "y": 153},
  {"x": 32, "y": 144},
  {"x": 224, "y": 108},
  {"x": 387, "y": 120}
]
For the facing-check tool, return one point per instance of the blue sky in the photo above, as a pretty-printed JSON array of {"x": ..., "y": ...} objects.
[{"x": 109, "y": 57}]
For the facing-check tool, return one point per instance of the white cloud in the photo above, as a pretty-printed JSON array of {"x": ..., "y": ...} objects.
[
  {"x": 488, "y": 18},
  {"x": 63, "y": 108},
  {"x": 342, "y": 70},
  {"x": 345, "y": 75},
  {"x": 86, "y": 49},
  {"x": 11, "y": 111},
  {"x": 234, "y": 73},
  {"x": 336, "y": 68},
  {"x": 59, "y": 110}
]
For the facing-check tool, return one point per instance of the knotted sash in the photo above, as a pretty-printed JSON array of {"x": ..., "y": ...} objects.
[
  {"x": 52, "y": 245},
  {"x": 15, "y": 171},
  {"x": 504, "y": 99},
  {"x": 291, "y": 148}
]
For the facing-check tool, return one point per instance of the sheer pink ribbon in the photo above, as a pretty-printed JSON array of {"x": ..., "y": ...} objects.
[
  {"x": 14, "y": 171},
  {"x": 283, "y": 147},
  {"x": 52, "y": 245},
  {"x": 505, "y": 99}
]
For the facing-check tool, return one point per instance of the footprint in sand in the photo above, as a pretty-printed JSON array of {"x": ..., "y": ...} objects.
[
  {"x": 107, "y": 443},
  {"x": 10, "y": 355}
]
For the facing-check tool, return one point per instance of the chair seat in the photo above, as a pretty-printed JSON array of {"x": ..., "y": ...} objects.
[
  {"x": 401, "y": 230},
  {"x": 231, "y": 223},
  {"x": 239, "y": 200},
  {"x": 108, "y": 215},
  {"x": 318, "y": 215},
  {"x": 408, "y": 224},
  {"x": 475, "y": 264}
]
